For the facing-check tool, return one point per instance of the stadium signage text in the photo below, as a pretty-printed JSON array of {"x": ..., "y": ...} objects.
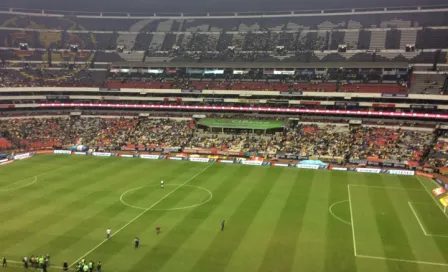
[
  {"x": 22, "y": 156},
  {"x": 151, "y": 157},
  {"x": 368, "y": 170},
  {"x": 251, "y": 162},
  {"x": 68, "y": 152},
  {"x": 226, "y": 161},
  {"x": 199, "y": 159},
  {"x": 245, "y": 162},
  {"x": 339, "y": 168},
  {"x": 401, "y": 172},
  {"x": 280, "y": 164},
  {"x": 101, "y": 154},
  {"x": 307, "y": 166}
]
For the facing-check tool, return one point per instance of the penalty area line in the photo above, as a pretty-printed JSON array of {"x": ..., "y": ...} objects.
[
  {"x": 400, "y": 260},
  {"x": 139, "y": 215}
]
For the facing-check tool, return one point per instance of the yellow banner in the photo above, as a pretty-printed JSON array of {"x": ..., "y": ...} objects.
[{"x": 444, "y": 201}]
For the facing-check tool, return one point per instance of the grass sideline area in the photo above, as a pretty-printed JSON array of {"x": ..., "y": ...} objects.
[
  {"x": 240, "y": 123},
  {"x": 277, "y": 219}
]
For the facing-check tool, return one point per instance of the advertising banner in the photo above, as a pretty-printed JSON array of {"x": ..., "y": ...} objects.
[
  {"x": 5, "y": 161},
  {"x": 80, "y": 153},
  {"x": 358, "y": 161},
  {"x": 383, "y": 105},
  {"x": 151, "y": 157},
  {"x": 191, "y": 91},
  {"x": 345, "y": 103},
  {"x": 126, "y": 156},
  {"x": 307, "y": 166},
  {"x": 368, "y": 170},
  {"x": 280, "y": 164},
  {"x": 444, "y": 201},
  {"x": 438, "y": 191},
  {"x": 251, "y": 162},
  {"x": 290, "y": 156},
  {"x": 176, "y": 158},
  {"x": 424, "y": 107},
  {"x": 401, "y": 172},
  {"x": 199, "y": 159},
  {"x": 109, "y": 89},
  {"x": 339, "y": 168},
  {"x": 66, "y": 152},
  {"x": 393, "y": 95},
  {"x": 290, "y": 93},
  {"x": 102, "y": 154},
  {"x": 23, "y": 156},
  {"x": 310, "y": 103},
  {"x": 213, "y": 100},
  {"x": 226, "y": 161}
]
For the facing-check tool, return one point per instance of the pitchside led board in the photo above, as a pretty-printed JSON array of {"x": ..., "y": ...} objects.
[{"x": 438, "y": 191}]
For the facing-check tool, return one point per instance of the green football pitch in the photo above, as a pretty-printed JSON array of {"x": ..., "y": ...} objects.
[{"x": 277, "y": 218}]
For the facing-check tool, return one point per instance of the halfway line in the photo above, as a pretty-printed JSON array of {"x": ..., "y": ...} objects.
[{"x": 142, "y": 213}]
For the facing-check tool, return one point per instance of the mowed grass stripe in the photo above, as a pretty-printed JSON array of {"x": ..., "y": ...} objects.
[
  {"x": 219, "y": 252},
  {"x": 96, "y": 235},
  {"x": 50, "y": 191},
  {"x": 179, "y": 234},
  {"x": 81, "y": 218},
  {"x": 227, "y": 199},
  {"x": 339, "y": 255},
  {"x": 45, "y": 188},
  {"x": 312, "y": 241},
  {"x": 27, "y": 168},
  {"x": 41, "y": 215},
  {"x": 256, "y": 240},
  {"x": 424, "y": 248},
  {"x": 145, "y": 226},
  {"x": 281, "y": 251},
  {"x": 430, "y": 215},
  {"x": 394, "y": 239}
]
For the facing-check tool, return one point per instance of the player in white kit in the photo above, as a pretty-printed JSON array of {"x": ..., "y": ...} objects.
[{"x": 161, "y": 184}]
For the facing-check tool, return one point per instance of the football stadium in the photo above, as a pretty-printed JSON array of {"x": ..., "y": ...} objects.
[{"x": 299, "y": 140}]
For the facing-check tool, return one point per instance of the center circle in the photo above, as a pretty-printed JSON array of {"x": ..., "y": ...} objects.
[{"x": 161, "y": 193}]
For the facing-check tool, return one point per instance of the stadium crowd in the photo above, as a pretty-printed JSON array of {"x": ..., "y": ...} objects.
[
  {"x": 307, "y": 139},
  {"x": 388, "y": 143}
]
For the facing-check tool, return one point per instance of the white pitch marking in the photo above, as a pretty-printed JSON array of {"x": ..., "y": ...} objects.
[
  {"x": 15, "y": 188},
  {"x": 386, "y": 187},
  {"x": 337, "y": 217},
  {"x": 430, "y": 195},
  {"x": 351, "y": 217},
  {"x": 171, "y": 209},
  {"x": 401, "y": 260},
  {"x": 421, "y": 225},
  {"x": 142, "y": 213},
  {"x": 418, "y": 219},
  {"x": 35, "y": 180}
]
